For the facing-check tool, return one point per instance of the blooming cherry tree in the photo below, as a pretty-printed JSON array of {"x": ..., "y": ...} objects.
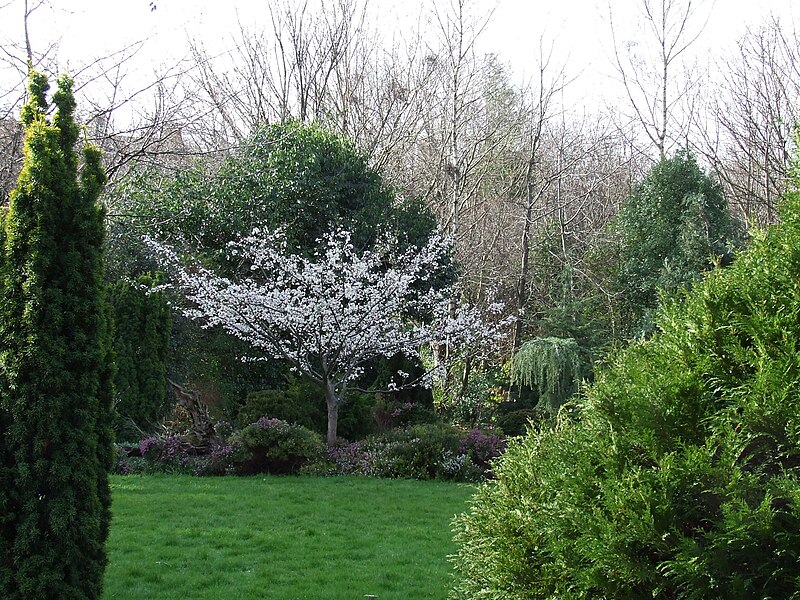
[{"x": 330, "y": 314}]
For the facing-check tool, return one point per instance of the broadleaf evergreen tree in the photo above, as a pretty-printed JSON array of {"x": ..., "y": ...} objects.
[
  {"x": 673, "y": 224},
  {"x": 55, "y": 363}
]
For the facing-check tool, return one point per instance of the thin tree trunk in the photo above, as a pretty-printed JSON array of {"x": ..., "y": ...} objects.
[
  {"x": 522, "y": 279},
  {"x": 333, "y": 413}
]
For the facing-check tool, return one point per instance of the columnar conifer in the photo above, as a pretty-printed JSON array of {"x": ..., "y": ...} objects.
[
  {"x": 55, "y": 369},
  {"x": 142, "y": 326}
]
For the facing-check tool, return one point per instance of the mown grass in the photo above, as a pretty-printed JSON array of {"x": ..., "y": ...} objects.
[{"x": 285, "y": 538}]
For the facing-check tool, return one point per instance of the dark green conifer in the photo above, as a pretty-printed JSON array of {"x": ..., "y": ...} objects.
[
  {"x": 55, "y": 364},
  {"x": 143, "y": 323}
]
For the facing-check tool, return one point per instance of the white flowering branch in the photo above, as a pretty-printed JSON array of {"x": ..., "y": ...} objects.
[{"x": 330, "y": 314}]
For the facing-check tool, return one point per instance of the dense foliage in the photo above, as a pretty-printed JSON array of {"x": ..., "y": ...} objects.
[
  {"x": 672, "y": 226},
  {"x": 275, "y": 446},
  {"x": 676, "y": 474},
  {"x": 55, "y": 370},
  {"x": 269, "y": 445},
  {"x": 553, "y": 367},
  {"x": 299, "y": 178},
  {"x": 142, "y": 327}
]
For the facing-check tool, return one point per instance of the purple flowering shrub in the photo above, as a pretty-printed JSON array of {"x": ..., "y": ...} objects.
[
  {"x": 483, "y": 447},
  {"x": 418, "y": 452},
  {"x": 167, "y": 454},
  {"x": 430, "y": 451},
  {"x": 366, "y": 458},
  {"x": 222, "y": 459}
]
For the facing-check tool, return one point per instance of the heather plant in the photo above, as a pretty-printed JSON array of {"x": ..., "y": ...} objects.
[
  {"x": 429, "y": 451},
  {"x": 482, "y": 447},
  {"x": 674, "y": 475},
  {"x": 417, "y": 452},
  {"x": 167, "y": 454},
  {"x": 222, "y": 459},
  {"x": 362, "y": 458}
]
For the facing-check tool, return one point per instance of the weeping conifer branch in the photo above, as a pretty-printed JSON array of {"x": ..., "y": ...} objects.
[{"x": 551, "y": 365}]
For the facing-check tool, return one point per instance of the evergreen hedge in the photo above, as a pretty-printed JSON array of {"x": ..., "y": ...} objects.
[
  {"x": 675, "y": 475},
  {"x": 55, "y": 368},
  {"x": 142, "y": 327}
]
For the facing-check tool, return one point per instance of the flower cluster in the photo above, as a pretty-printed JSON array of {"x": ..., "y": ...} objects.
[
  {"x": 277, "y": 425},
  {"x": 419, "y": 452}
]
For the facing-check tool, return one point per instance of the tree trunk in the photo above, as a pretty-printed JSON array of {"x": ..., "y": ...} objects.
[
  {"x": 333, "y": 413},
  {"x": 522, "y": 277}
]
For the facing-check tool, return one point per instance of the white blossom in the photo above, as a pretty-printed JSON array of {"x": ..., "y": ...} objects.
[{"x": 331, "y": 314}]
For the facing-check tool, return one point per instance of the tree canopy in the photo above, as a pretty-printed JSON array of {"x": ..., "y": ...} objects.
[
  {"x": 330, "y": 315},
  {"x": 298, "y": 177}
]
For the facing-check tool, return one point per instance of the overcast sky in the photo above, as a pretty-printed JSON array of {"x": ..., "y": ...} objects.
[{"x": 578, "y": 29}]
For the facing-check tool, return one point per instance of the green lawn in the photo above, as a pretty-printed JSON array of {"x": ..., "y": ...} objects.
[{"x": 285, "y": 538}]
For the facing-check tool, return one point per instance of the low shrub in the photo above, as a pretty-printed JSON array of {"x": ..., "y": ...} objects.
[
  {"x": 483, "y": 448},
  {"x": 168, "y": 454},
  {"x": 222, "y": 459},
  {"x": 364, "y": 458},
  {"x": 275, "y": 446},
  {"x": 419, "y": 452}
]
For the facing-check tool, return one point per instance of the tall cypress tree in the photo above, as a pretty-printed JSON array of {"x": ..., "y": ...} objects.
[{"x": 55, "y": 364}]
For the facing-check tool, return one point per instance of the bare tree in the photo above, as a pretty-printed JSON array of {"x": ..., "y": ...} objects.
[
  {"x": 650, "y": 68},
  {"x": 749, "y": 135},
  {"x": 134, "y": 121},
  {"x": 535, "y": 178},
  {"x": 304, "y": 67},
  {"x": 17, "y": 55}
]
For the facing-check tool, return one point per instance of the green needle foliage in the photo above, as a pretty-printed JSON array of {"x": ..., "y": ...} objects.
[
  {"x": 552, "y": 366},
  {"x": 55, "y": 368},
  {"x": 675, "y": 475},
  {"x": 142, "y": 327}
]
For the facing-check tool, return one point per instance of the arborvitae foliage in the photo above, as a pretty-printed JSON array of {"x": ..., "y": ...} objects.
[
  {"x": 676, "y": 474},
  {"x": 142, "y": 326},
  {"x": 55, "y": 391},
  {"x": 670, "y": 229}
]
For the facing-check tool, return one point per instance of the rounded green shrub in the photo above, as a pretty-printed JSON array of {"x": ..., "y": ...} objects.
[
  {"x": 675, "y": 475},
  {"x": 301, "y": 404},
  {"x": 275, "y": 446}
]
